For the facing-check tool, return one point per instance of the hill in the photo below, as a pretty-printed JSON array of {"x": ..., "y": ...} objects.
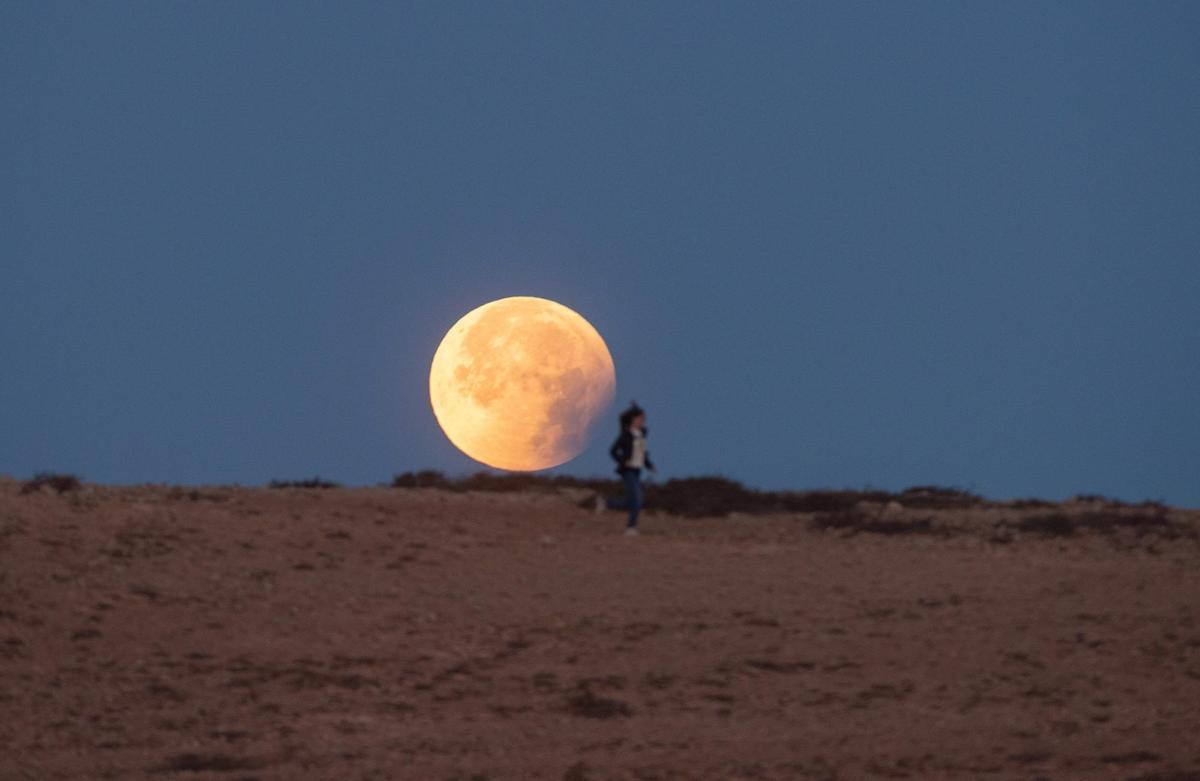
[{"x": 449, "y": 632}]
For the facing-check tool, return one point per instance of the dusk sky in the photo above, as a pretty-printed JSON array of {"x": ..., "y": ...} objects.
[{"x": 836, "y": 244}]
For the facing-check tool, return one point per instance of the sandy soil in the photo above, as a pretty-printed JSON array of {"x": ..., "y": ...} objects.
[{"x": 242, "y": 634}]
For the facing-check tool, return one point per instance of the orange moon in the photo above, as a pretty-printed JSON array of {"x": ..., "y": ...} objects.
[{"x": 517, "y": 383}]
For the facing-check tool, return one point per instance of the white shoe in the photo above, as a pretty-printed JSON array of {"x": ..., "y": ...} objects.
[{"x": 631, "y": 532}]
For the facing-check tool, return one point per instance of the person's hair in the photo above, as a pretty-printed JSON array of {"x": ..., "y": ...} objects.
[{"x": 631, "y": 412}]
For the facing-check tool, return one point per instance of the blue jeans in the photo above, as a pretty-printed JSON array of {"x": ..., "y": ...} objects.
[{"x": 632, "y": 500}]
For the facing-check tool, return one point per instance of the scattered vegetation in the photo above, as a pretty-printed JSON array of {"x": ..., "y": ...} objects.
[
  {"x": 426, "y": 478},
  {"x": 1095, "y": 498},
  {"x": 1029, "y": 503},
  {"x": 198, "y": 763},
  {"x": 848, "y": 511},
  {"x": 59, "y": 482},
  {"x": 585, "y": 703},
  {"x": 1184, "y": 775},
  {"x": 932, "y": 497},
  {"x": 1130, "y": 757},
  {"x": 312, "y": 482},
  {"x": 516, "y": 482},
  {"x": 179, "y": 494},
  {"x": 1141, "y": 520},
  {"x": 1110, "y": 502},
  {"x": 855, "y": 522},
  {"x": 1049, "y": 525},
  {"x": 699, "y": 497},
  {"x": 577, "y": 772}
]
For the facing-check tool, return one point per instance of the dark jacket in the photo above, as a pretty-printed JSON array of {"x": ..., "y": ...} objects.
[{"x": 622, "y": 449}]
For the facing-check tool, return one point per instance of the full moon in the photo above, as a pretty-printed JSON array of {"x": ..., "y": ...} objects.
[{"x": 517, "y": 383}]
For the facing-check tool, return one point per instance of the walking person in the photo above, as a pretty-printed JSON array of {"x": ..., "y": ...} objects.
[{"x": 629, "y": 451}]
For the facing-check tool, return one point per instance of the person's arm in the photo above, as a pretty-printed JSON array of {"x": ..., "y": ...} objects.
[
  {"x": 621, "y": 447},
  {"x": 649, "y": 463}
]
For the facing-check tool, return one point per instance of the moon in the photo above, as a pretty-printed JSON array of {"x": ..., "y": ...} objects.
[{"x": 517, "y": 383}]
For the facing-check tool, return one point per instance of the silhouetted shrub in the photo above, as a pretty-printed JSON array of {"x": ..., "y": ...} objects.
[
  {"x": 697, "y": 497},
  {"x": 312, "y": 482},
  {"x": 59, "y": 482},
  {"x": 705, "y": 497},
  {"x": 523, "y": 481},
  {"x": 426, "y": 478},
  {"x": 1097, "y": 499},
  {"x": 931, "y": 497},
  {"x": 1029, "y": 503},
  {"x": 514, "y": 482}
]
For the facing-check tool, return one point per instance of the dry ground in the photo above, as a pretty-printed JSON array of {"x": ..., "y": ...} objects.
[{"x": 238, "y": 634}]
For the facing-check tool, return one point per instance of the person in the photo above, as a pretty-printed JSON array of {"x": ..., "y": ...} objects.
[{"x": 629, "y": 451}]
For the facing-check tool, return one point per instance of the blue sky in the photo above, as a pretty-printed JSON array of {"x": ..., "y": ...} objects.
[{"x": 834, "y": 244}]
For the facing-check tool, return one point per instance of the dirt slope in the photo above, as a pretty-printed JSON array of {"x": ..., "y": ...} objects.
[{"x": 241, "y": 634}]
